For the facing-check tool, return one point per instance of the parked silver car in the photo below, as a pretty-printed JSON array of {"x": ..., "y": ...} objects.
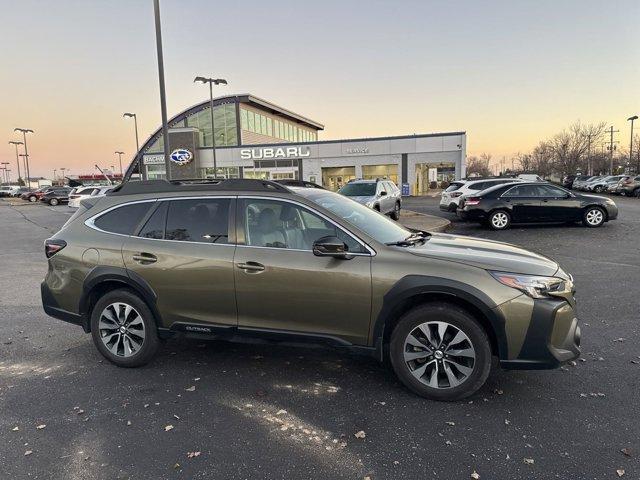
[{"x": 380, "y": 194}]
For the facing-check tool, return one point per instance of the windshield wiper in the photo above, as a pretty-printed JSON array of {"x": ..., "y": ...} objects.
[{"x": 415, "y": 237}]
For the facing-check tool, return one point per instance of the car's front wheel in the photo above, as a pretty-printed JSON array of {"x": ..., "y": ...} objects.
[
  {"x": 439, "y": 351},
  {"x": 593, "y": 217},
  {"x": 499, "y": 220},
  {"x": 395, "y": 213},
  {"x": 53, "y": 202},
  {"x": 33, "y": 198},
  {"x": 123, "y": 329}
]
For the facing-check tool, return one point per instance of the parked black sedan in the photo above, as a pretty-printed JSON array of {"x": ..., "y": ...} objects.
[
  {"x": 56, "y": 196},
  {"x": 532, "y": 202}
]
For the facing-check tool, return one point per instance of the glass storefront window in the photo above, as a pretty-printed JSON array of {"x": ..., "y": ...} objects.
[
  {"x": 388, "y": 171},
  {"x": 225, "y": 121},
  {"x": 156, "y": 172},
  {"x": 223, "y": 172}
]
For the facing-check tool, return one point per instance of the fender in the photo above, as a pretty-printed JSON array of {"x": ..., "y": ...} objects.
[
  {"x": 102, "y": 274},
  {"x": 413, "y": 285}
]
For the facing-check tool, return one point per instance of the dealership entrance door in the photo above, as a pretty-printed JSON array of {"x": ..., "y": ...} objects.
[
  {"x": 333, "y": 178},
  {"x": 433, "y": 177}
]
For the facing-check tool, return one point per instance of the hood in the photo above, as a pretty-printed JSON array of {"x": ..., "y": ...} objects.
[
  {"x": 591, "y": 197},
  {"x": 486, "y": 254},
  {"x": 363, "y": 198}
]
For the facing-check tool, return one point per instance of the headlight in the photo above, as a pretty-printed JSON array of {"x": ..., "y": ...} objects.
[
  {"x": 370, "y": 204},
  {"x": 533, "y": 285}
]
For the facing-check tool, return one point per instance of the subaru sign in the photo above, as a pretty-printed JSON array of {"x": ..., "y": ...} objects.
[{"x": 181, "y": 156}]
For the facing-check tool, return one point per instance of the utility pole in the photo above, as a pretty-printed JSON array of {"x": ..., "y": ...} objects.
[
  {"x": 17, "y": 159},
  {"x": 611, "y": 132},
  {"x": 589, "y": 136},
  {"x": 631, "y": 119}
]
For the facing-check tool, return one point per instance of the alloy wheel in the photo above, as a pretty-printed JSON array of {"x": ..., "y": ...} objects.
[
  {"x": 439, "y": 354},
  {"x": 122, "y": 329},
  {"x": 594, "y": 217},
  {"x": 499, "y": 220}
]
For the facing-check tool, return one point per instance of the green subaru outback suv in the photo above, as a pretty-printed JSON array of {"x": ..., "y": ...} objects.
[{"x": 248, "y": 258}]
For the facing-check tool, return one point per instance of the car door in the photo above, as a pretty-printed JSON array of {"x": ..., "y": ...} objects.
[
  {"x": 184, "y": 252},
  {"x": 524, "y": 203},
  {"x": 558, "y": 205},
  {"x": 281, "y": 286},
  {"x": 383, "y": 197}
]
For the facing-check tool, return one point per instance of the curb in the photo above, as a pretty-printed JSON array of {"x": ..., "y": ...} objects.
[{"x": 422, "y": 221}]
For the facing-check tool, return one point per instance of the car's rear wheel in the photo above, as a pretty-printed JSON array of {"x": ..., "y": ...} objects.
[
  {"x": 499, "y": 220},
  {"x": 123, "y": 329},
  {"x": 439, "y": 351},
  {"x": 53, "y": 202},
  {"x": 593, "y": 217},
  {"x": 32, "y": 198},
  {"x": 395, "y": 214},
  {"x": 598, "y": 189}
]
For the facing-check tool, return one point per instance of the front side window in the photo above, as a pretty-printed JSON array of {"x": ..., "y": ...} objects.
[
  {"x": 123, "y": 220},
  {"x": 204, "y": 220},
  {"x": 549, "y": 191},
  {"x": 277, "y": 224}
]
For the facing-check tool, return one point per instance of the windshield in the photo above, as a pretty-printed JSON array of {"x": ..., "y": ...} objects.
[
  {"x": 358, "y": 189},
  {"x": 377, "y": 226}
]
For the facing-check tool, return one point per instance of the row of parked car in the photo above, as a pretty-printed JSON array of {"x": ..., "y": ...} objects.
[
  {"x": 499, "y": 202},
  {"x": 55, "y": 195},
  {"x": 626, "y": 185}
]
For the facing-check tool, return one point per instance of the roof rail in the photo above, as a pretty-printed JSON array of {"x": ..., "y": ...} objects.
[{"x": 197, "y": 184}]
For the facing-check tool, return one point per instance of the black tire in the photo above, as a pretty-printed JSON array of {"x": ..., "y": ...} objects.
[
  {"x": 499, "y": 220},
  {"x": 376, "y": 208},
  {"x": 395, "y": 214},
  {"x": 598, "y": 189},
  {"x": 33, "y": 198},
  {"x": 460, "y": 319},
  {"x": 149, "y": 344},
  {"x": 593, "y": 217},
  {"x": 636, "y": 193},
  {"x": 53, "y": 202}
]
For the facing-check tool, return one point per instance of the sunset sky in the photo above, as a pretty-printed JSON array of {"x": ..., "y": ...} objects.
[{"x": 509, "y": 73}]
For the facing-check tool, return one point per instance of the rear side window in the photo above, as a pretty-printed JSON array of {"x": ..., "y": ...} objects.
[
  {"x": 154, "y": 228},
  {"x": 453, "y": 187},
  {"x": 204, "y": 220},
  {"x": 123, "y": 220},
  {"x": 478, "y": 186}
]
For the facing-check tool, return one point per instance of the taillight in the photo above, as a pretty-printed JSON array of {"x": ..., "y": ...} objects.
[
  {"x": 53, "y": 246},
  {"x": 472, "y": 201}
]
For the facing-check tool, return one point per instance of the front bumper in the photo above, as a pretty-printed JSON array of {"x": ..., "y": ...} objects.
[
  {"x": 612, "y": 211},
  {"x": 551, "y": 338}
]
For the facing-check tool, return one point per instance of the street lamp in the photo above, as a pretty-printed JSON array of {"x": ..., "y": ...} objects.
[
  {"x": 211, "y": 82},
  {"x": 631, "y": 119},
  {"x": 25, "y": 161},
  {"x": 163, "y": 96},
  {"x": 26, "y": 152},
  {"x": 135, "y": 123},
  {"x": 119, "y": 159},
  {"x": 5, "y": 170},
  {"x": 13, "y": 142}
]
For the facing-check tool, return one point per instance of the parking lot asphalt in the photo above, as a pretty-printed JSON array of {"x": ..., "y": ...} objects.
[{"x": 220, "y": 410}]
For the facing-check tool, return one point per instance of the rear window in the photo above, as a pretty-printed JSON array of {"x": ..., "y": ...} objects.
[
  {"x": 123, "y": 220},
  {"x": 453, "y": 186}
]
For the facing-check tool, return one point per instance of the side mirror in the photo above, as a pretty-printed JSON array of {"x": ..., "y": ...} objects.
[
  {"x": 330, "y": 247},
  {"x": 383, "y": 193}
]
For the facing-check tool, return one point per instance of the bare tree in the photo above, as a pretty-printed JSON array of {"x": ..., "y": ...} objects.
[{"x": 479, "y": 166}]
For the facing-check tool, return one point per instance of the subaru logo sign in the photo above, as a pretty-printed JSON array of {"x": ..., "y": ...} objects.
[{"x": 181, "y": 156}]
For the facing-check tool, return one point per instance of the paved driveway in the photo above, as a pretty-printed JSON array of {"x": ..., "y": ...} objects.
[{"x": 274, "y": 411}]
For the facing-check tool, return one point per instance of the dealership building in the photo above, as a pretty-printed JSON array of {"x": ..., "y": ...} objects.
[{"x": 255, "y": 138}]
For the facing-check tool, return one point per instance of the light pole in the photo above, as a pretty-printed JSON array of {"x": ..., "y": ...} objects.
[
  {"x": 55, "y": 178},
  {"x": 135, "y": 123},
  {"x": 120, "y": 159},
  {"x": 62, "y": 169},
  {"x": 211, "y": 82},
  {"x": 26, "y": 152},
  {"x": 5, "y": 170},
  {"x": 8, "y": 170},
  {"x": 25, "y": 161},
  {"x": 163, "y": 99},
  {"x": 631, "y": 119},
  {"x": 12, "y": 142}
]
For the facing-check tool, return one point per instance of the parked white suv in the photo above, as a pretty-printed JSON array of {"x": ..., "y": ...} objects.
[
  {"x": 450, "y": 200},
  {"x": 80, "y": 193}
]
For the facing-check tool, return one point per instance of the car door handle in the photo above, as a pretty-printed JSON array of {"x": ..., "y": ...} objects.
[
  {"x": 544, "y": 200},
  {"x": 251, "y": 267},
  {"x": 144, "y": 258}
]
